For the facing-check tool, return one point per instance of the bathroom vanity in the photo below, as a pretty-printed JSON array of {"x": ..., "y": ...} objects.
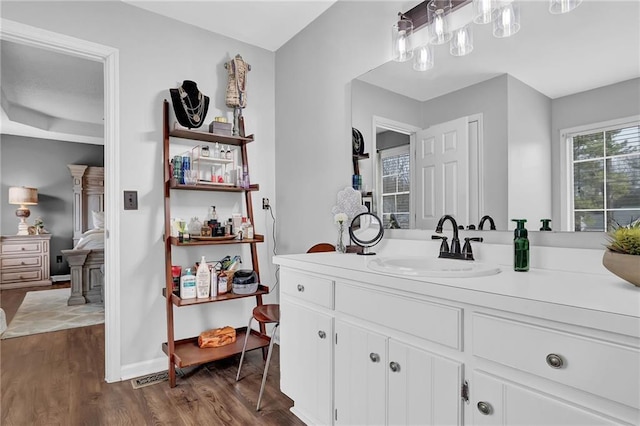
[{"x": 363, "y": 346}]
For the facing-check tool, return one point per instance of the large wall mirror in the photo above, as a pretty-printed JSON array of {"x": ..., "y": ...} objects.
[{"x": 502, "y": 131}]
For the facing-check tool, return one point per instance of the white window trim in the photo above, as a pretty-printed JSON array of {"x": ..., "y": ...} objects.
[{"x": 567, "y": 220}]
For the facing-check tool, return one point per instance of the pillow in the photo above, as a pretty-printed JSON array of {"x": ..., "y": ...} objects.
[{"x": 98, "y": 219}]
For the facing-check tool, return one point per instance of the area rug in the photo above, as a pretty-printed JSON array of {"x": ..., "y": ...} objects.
[{"x": 46, "y": 310}]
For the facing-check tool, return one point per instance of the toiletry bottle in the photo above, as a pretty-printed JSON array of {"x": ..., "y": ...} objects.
[
  {"x": 249, "y": 229},
  {"x": 228, "y": 153},
  {"x": 216, "y": 151},
  {"x": 188, "y": 285},
  {"x": 214, "y": 279},
  {"x": 203, "y": 280},
  {"x": 521, "y": 246}
]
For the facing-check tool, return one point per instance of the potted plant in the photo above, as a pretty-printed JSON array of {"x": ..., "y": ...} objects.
[{"x": 622, "y": 256}]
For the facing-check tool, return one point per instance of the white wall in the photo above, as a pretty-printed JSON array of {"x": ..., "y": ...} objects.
[
  {"x": 157, "y": 53},
  {"x": 529, "y": 147},
  {"x": 368, "y": 101},
  {"x": 313, "y": 114}
]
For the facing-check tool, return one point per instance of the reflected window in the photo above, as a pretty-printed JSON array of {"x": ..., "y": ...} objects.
[
  {"x": 605, "y": 165},
  {"x": 395, "y": 173}
]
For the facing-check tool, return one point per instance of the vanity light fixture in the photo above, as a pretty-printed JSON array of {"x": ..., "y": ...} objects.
[
  {"x": 563, "y": 6},
  {"x": 507, "y": 19},
  {"x": 401, "y": 33},
  {"x": 423, "y": 58},
  {"x": 483, "y": 10},
  {"x": 462, "y": 41},
  {"x": 436, "y": 14}
]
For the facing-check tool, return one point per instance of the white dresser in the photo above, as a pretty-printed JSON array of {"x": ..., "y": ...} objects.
[
  {"x": 537, "y": 348},
  {"x": 24, "y": 261}
]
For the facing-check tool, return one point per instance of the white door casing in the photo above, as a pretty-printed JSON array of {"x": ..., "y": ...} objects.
[{"x": 36, "y": 37}]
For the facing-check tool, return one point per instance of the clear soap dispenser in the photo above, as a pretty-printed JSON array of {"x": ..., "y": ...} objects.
[{"x": 520, "y": 246}]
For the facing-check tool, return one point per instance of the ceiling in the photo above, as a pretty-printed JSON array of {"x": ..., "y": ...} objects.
[
  {"x": 56, "y": 96},
  {"x": 596, "y": 44}
]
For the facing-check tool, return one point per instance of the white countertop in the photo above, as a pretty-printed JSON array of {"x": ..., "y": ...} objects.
[{"x": 600, "y": 293}]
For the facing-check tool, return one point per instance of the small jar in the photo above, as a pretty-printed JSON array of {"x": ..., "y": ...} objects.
[{"x": 205, "y": 151}]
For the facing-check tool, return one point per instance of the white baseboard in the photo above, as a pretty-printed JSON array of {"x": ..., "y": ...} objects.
[{"x": 131, "y": 371}]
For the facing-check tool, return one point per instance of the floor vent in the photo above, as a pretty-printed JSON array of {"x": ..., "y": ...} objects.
[{"x": 152, "y": 379}]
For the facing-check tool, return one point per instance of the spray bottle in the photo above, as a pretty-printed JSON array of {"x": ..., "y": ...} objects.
[{"x": 521, "y": 247}]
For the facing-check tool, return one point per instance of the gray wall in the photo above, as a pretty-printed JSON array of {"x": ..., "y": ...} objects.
[
  {"x": 529, "y": 147},
  {"x": 611, "y": 102},
  {"x": 391, "y": 139},
  {"x": 488, "y": 98},
  {"x": 42, "y": 164},
  {"x": 156, "y": 53}
]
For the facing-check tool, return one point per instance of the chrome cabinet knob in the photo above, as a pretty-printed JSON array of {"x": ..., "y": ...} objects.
[
  {"x": 394, "y": 366},
  {"x": 300, "y": 288},
  {"x": 322, "y": 334},
  {"x": 485, "y": 408},
  {"x": 374, "y": 357},
  {"x": 555, "y": 361}
]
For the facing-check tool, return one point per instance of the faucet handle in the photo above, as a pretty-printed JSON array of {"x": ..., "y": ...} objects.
[
  {"x": 444, "y": 247},
  {"x": 467, "y": 253}
]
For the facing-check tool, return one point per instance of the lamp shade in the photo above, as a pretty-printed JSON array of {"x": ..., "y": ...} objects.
[{"x": 21, "y": 195}]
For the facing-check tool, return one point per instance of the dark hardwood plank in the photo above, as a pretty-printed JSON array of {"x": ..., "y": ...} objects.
[{"x": 58, "y": 378}]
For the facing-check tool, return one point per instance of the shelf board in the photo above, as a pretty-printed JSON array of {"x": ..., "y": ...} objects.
[
  {"x": 210, "y": 137},
  {"x": 187, "y": 352},
  {"x": 173, "y": 184},
  {"x": 177, "y": 301},
  {"x": 361, "y": 156},
  {"x": 258, "y": 239}
]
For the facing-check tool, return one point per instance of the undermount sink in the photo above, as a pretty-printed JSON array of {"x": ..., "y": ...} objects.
[{"x": 432, "y": 267}]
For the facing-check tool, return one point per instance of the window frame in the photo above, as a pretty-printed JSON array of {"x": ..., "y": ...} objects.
[{"x": 567, "y": 213}]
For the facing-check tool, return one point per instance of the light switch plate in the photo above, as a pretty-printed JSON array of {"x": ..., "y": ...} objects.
[{"x": 131, "y": 200}]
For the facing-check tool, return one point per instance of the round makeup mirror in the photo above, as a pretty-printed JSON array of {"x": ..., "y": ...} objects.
[{"x": 366, "y": 230}]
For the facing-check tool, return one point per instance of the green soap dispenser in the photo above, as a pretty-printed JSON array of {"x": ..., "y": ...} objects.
[{"x": 520, "y": 246}]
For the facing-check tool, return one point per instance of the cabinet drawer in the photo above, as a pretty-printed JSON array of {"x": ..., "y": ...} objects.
[
  {"x": 21, "y": 276},
  {"x": 21, "y": 262},
  {"x": 22, "y": 247},
  {"x": 595, "y": 366},
  {"x": 307, "y": 287},
  {"x": 426, "y": 320}
]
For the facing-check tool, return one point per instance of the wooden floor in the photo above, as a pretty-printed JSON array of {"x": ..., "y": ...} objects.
[{"x": 58, "y": 379}]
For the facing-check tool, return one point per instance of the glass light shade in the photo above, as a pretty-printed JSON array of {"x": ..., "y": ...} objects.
[
  {"x": 483, "y": 11},
  {"x": 423, "y": 58},
  {"x": 462, "y": 41},
  {"x": 401, "y": 33},
  {"x": 506, "y": 20},
  {"x": 438, "y": 16},
  {"x": 21, "y": 195},
  {"x": 563, "y": 6}
]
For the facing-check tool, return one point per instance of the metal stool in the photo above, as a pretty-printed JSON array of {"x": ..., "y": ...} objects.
[{"x": 264, "y": 314}]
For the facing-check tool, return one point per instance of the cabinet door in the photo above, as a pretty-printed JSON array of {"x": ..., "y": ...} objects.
[
  {"x": 306, "y": 363},
  {"x": 497, "y": 402},
  {"x": 360, "y": 376},
  {"x": 424, "y": 389}
]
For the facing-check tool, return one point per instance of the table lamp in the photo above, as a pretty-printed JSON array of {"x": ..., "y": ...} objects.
[{"x": 23, "y": 196}]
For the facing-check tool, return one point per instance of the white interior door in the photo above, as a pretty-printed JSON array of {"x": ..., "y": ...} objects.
[{"x": 442, "y": 173}]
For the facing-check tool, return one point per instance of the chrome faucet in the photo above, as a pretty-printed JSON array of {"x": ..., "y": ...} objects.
[
  {"x": 454, "y": 251},
  {"x": 492, "y": 225}
]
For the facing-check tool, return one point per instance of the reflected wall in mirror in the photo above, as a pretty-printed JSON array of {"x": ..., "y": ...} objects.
[{"x": 492, "y": 133}]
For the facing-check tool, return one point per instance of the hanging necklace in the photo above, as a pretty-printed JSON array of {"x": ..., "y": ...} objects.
[{"x": 194, "y": 114}]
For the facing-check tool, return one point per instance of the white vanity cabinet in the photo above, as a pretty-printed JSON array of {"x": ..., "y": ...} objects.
[
  {"x": 306, "y": 345},
  {"x": 378, "y": 378},
  {"x": 410, "y": 351}
]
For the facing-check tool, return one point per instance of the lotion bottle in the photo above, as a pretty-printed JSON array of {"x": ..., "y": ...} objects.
[
  {"x": 520, "y": 246},
  {"x": 188, "y": 285},
  {"x": 203, "y": 280}
]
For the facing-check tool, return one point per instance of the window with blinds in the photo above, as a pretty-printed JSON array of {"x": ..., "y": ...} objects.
[
  {"x": 396, "y": 180},
  {"x": 605, "y": 168}
]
